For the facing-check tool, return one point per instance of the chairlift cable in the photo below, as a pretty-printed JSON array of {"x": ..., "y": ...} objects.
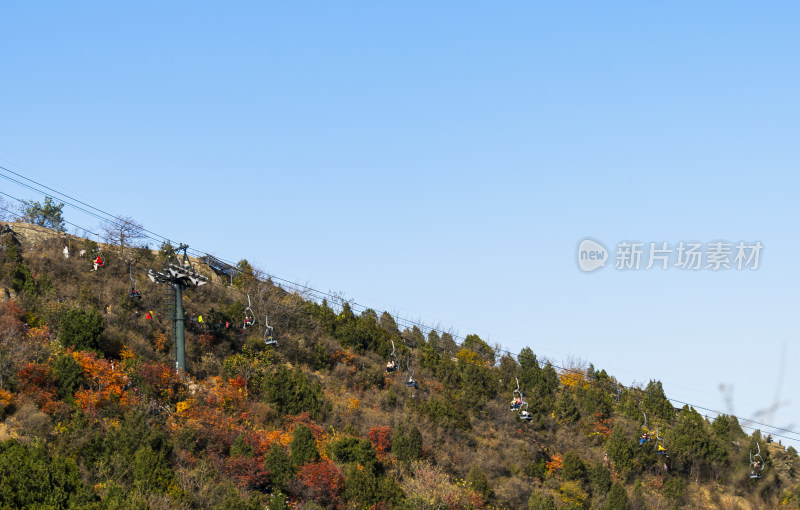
[{"x": 319, "y": 293}]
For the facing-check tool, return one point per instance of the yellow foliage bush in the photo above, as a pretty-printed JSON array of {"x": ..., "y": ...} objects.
[{"x": 573, "y": 379}]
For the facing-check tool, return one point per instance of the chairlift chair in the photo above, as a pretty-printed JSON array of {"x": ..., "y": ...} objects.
[
  {"x": 99, "y": 256},
  {"x": 134, "y": 292},
  {"x": 516, "y": 398},
  {"x": 646, "y": 434},
  {"x": 410, "y": 382},
  {"x": 249, "y": 316},
  {"x": 268, "y": 330},
  {"x": 100, "y": 252},
  {"x": 660, "y": 448},
  {"x": 756, "y": 464},
  {"x": 518, "y": 403},
  {"x": 523, "y": 412},
  {"x": 393, "y": 363}
]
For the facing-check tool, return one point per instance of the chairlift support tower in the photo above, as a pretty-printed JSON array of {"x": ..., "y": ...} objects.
[{"x": 179, "y": 277}]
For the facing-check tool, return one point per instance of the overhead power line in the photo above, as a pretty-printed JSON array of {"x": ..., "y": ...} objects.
[{"x": 310, "y": 291}]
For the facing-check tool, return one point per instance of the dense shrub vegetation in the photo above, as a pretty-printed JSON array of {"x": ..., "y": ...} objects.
[{"x": 94, "y": 415}]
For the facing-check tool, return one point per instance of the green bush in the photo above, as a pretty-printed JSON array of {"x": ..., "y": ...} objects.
[
  {"x": 726, "y": 428},
  {"x": 29, "y": 478},
  {"x": 600, "y": 479},
  {"x": 656, "y": 404},
  {"x": 351, "y": 450},
  {"x": 365, "y": 489},
  {"x": 445, "y": 413},
  {"x": 477, "y": 481},
  {"x": 539, "y": 501},
  {"x": 673, "y": 490},
  {"x": 573, "y": 467},
  {"x": 620, "y": 450},
  {"x": 151, "y": 470},
  {"x": 241, "y": 448},
  {"x": 81, "y": 330},
  {"x": 69, "y": 376},
  {"x": 320, "y": 359},
  {"x": 566, "y": 408},
  {"x": 292, "y": 392},
  {"x": 228, "y": 498},
  {"x": 279, "y": 466},
  {"x": 537, "y": 468},
  {"x": 361, "y": 486},
  {"x": 407, "y": 443},
  {"x": 304, "y": 446},
  {"x": 478, "y": 346},
  {"x": 22, "y": 280},
  {"x": 135, "y": 453},
  {"x": 617, "y": 498},
  {"x": 478, "y": 383},
  {"x": 689, "y": 441},
  {"x": 277, "y": 501},
  {"x": 595, "y": 401}
]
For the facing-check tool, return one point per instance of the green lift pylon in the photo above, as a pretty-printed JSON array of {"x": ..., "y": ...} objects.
[{"x": 179, "y": 277}]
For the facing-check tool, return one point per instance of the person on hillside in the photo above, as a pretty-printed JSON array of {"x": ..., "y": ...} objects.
[
  {"x": 148, "y": 315},
  {"x": 98, "y": 263}
]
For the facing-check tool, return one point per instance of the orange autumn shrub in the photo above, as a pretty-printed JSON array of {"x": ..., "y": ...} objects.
[
  {"x": 381, "y": 439},
  {"x": 324, "y": 481},
  {"x": 105, "y": 383}
]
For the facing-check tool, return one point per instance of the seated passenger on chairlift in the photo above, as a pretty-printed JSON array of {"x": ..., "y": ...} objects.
[{"x": 268, "y": 340}]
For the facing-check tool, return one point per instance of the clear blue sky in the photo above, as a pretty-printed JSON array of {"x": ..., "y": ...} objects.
[{"x": 443, "y": 161}]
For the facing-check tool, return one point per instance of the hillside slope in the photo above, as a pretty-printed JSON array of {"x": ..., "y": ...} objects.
[{"x": 94, "y": 415}]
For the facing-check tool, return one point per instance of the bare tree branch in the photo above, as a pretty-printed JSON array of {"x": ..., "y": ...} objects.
[{"x": 123, "y": 231}]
